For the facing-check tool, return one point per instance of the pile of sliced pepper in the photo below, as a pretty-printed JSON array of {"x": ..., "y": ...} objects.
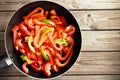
[{"x": 45, "y": 43}]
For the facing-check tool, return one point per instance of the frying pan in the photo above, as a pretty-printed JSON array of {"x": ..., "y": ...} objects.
[{"x": 13, "y": 56}]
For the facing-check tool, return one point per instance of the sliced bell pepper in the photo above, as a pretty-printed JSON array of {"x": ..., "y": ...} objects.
[
  {"x": 24, "y": 67},
  {"x": 56, "y": 19},
  {"x": 38, "y": 69},
  {"x": 30, "y": 40},
  {"x": 18, "y": 44},
  {"x": 14, "y": 30},
  {"x": 45, "y": 32},
  {"x": 32, "y": 13},
  {"x": 69, "y": 51},
  {"x": 53, "y": 12},
  {"x": 70, "y": 30},
  {"x": 24, "y": 29},
  {"x": 25, "y": 58},
  {"x": 60, "y": 64},
  {"x": 28, "y": 52},
  {"x": 47, "y": 68},
  {"x": 30, "y": 24},
  {"x": 37, "y": 66},
  {"x": 63, "y": 20},
  {"x": 62, "y": 41},
  {"x": 44, "y": 54},
  {"x": 48, "y": 22},
  {"x": 55, "y": 68}
]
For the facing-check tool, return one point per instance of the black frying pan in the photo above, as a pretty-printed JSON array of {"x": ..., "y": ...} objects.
[{"x": 17, "y": 17}]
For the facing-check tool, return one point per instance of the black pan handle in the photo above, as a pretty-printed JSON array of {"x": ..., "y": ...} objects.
[{"x": 4, "y": 61}]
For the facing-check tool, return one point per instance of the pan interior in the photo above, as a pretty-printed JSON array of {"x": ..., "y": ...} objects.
[{"x": 18, "y": 16}]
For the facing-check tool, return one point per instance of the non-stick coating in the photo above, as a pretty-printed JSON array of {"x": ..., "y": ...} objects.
[{"x": 18, "y": 16}]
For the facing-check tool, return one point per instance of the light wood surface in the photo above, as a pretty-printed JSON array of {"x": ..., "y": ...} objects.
[{"x": 99, "y": 21}]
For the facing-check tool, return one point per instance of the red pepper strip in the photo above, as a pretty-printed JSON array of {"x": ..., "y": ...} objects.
[
  {"x": 19, "y": 34},
  {"x": 14, "y": 30},
  {"x": 60, "y": 27},
  {"x": 47, "y": 68},
  {"x": 28, "y": 52},
  {"x": 63, "y": 20},
  {"x": 46, "y": 14},
  {"x": 24, "y": 67},
  {"x": 33, "y": 12},
  {"x": 39, "y": 57},
  {"x": 22, "y": 51},
  {"x": 44, "y": 35},
  {"x": 37, "y": 22},
  {"x": 24, "y": 29},
  {"x": 71, "y": 42},
  {"x": 50, "y": 57},
  {"x": 52, "y": 51},
  {"x": 18, "y": 44},
  {"x": 56, "y": 19},
  {"x": 37, "y": 68},
  {"x": 30, "y": 40},
  {"x": 51, "y": 39},
  {"x": 30, "y": 24},
  {"x": 55, "y": 68},
  {"x": 37, "y": 36},
  {"x": 53, "y": 12},
  {"x": 70, "y": 30},
  {"x": 38, "y": 15},
  {"x": 58, "y": 63}
]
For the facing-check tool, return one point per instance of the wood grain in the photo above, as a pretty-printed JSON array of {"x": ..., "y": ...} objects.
[
  {"x": 87, "y": 20},
  {"x": 88, "y": 63},
  {"x": 79, "y": 77},
  {"x": 101, "y": 40},
  {"x": 71, "y": 4},
  {"x": 99, "y": 21}
]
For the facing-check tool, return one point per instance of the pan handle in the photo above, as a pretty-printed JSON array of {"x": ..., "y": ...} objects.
[{"x": 4, "y": 61}]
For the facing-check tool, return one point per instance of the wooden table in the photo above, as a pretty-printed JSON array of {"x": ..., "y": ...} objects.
[{"x": 99, "y": 21}]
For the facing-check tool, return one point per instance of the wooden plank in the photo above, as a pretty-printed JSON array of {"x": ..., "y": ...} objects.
[
  {"x": 79, "y": 77},
  {"x": 87, "y": 63},
  {"x": 98, "y": 20},
  {"x": 87, "y": 20},
  {"x": 100, "y": 40},
  {"x": 71, "y": 4},
  {"x": 2, "y": 46},
  {"x": 91, "y": 41}
]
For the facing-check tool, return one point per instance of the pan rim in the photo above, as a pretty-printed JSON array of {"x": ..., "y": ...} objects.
[{"x": 6, "y": 49}]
